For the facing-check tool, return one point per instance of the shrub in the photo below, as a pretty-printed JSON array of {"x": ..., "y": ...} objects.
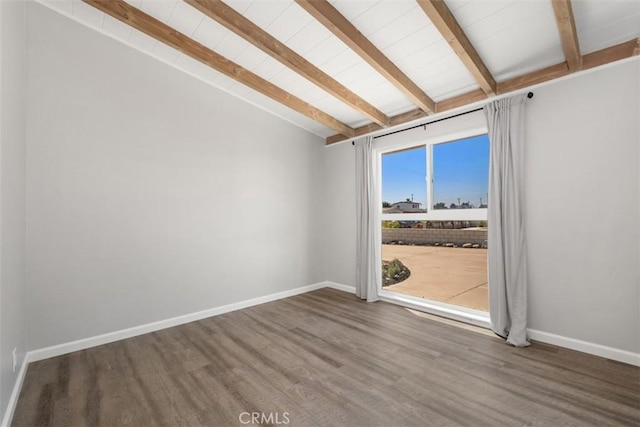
[{"x": 394, "y": 272}]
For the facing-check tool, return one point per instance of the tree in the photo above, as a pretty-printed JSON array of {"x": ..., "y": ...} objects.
[
  {"x": 386, "y": 204},
  {"x": 440, "y": 205},
  {"x": 453, "y": 206}
]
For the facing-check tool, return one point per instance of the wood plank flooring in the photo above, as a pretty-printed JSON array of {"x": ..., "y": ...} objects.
[{"x": 326, "y": 358}]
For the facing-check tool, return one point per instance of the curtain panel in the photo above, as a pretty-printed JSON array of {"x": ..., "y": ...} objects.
[
  {"x": 366, "y": 269},
  {"x": 506, "y": 237}
]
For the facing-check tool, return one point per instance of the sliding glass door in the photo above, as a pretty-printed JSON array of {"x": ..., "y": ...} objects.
[{"x": 433, "y": 221}]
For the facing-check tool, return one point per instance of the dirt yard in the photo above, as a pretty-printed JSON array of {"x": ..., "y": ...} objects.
[{"x": 453, "y": 275}]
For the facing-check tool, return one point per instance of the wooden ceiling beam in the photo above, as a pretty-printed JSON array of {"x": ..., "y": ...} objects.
[
  {"x": 328, "y": 16},
  {"x": 610, "y": 54},
  {"x": 615, "y": 53},
  {"x": 568, "y": 33},
  {"x": 147, "y": 24},
  {"x": 605, "y": 56},
  {"x": 448, "y": 104},
  {"x": 234, "y": 21},
  {"x": 533, "y": 78},
  {"x": 446, "y": 23},
  {"x": 461, "y": 100}
]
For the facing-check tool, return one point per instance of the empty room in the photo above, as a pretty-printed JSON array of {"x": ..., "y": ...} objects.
[{"x": 319, "y": 212}]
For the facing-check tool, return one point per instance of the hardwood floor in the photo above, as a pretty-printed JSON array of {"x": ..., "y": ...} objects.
[{"x": 326, "y": 358}]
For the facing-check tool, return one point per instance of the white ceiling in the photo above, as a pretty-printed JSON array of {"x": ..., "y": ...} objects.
[{"x": 513, "y": 37}]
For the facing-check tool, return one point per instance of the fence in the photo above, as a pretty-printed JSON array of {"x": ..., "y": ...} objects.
[{"x": 423, "y": 236}]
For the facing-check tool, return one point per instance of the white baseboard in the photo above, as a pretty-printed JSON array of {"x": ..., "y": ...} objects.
[
  {"x": 15, "y": 393},
  {"x": 82, "y": 344},
  {"x": 585, "y": 347},
  {"x": 341, "y": 287}
]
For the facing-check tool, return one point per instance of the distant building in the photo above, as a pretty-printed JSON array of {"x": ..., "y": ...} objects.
[{"x": 406, "y": 206}]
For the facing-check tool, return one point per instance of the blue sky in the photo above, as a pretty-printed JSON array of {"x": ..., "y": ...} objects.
[{"x": 460, "y": 170}]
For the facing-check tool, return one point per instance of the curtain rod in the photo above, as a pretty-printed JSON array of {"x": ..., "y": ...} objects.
[{"x": 529, "y": 95}]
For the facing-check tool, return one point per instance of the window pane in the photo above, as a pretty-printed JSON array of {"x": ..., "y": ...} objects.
[
  {"x": 404, "y": 187},
  {"x": 461, "y": 173}
]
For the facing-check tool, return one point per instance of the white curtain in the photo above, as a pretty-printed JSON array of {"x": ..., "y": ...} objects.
[
  {"x": 506, "y": 240},
  {"x": 366, "y": 267}
]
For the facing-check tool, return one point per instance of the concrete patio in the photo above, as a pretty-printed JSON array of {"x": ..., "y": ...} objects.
[{"x": 452, "y": 275}]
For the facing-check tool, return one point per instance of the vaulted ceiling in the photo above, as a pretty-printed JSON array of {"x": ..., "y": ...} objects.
[{"x": 342, "y": 68}]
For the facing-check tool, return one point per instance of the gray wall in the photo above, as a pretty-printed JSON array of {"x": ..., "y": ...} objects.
[
  {"x": 582, "y": 207},
  {"x": 13, "y": 332},
  {"x": 151, "y": 194},
  {"x": 582, "y": 203},
  {"x": 340, "y": 211}
]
